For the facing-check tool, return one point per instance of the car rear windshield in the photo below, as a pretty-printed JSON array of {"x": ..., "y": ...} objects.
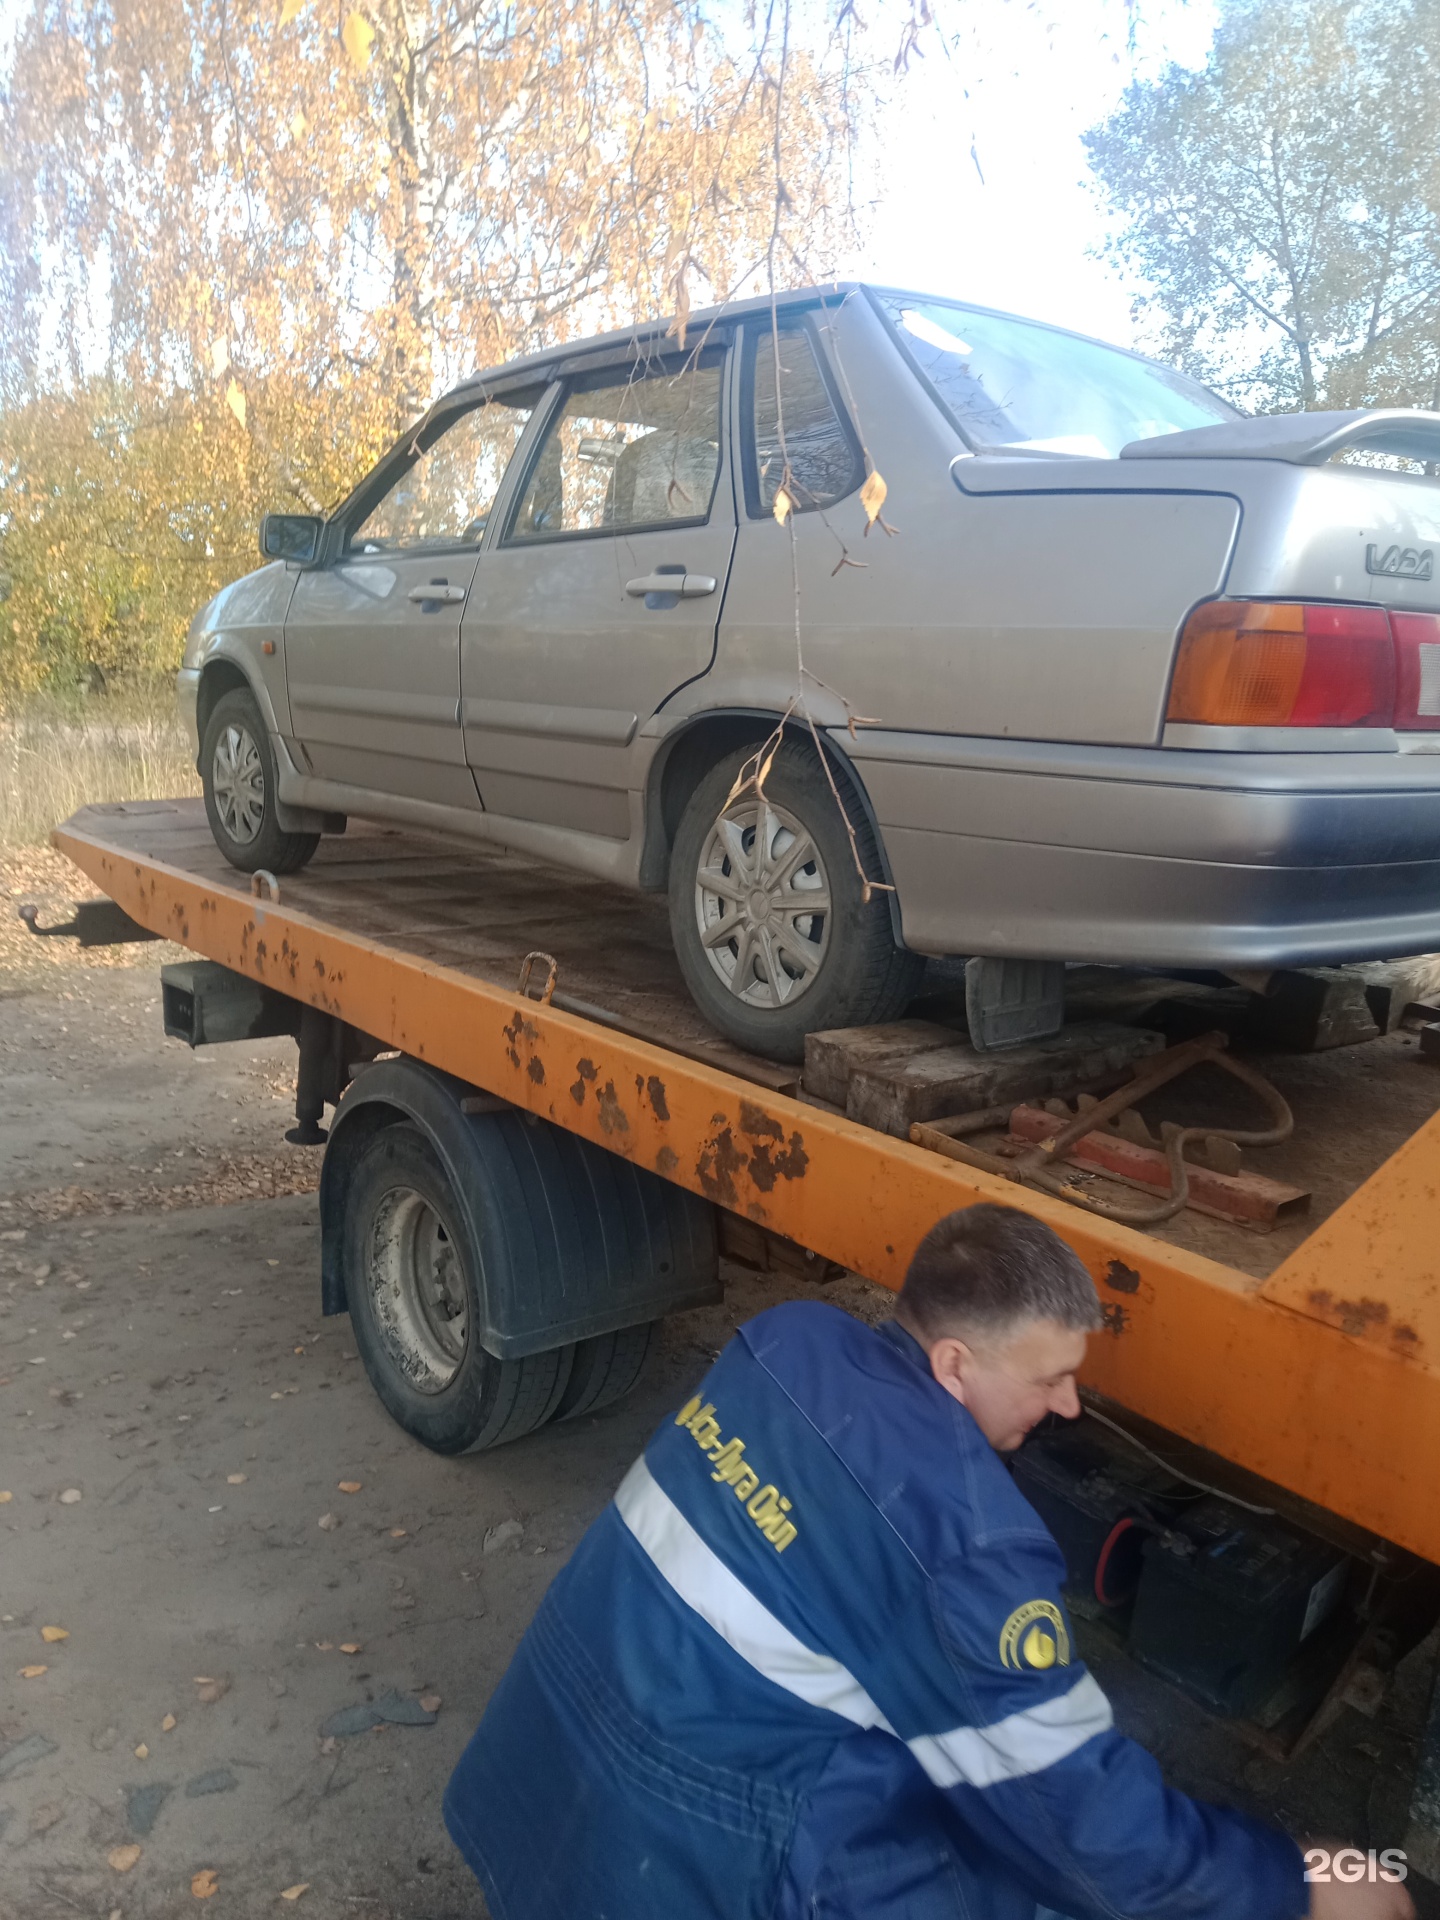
[{"x": 1013, "y": 386}]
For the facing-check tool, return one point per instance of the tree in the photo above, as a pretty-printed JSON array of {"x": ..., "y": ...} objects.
[
  {"x": 281, "y": 226},
  {"x": 1284, "y": 203}
]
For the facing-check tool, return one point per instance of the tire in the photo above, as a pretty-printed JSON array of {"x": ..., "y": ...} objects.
[
  {"x": 605, "y": 1370},
  {"x": 839, "y": 968},
  {"x": 413, "y": 1290},
  {"x": 238, "y": 774}
]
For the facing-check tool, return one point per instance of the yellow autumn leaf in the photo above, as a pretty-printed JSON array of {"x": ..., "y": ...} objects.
[
  {"x": 299, "y": 126},
  {"x": 783, "y": 505},
  {"x": 289, "y": 10},
  {"x": 219, "y": 356},
  {"x": 32, "y": 1673},
  {"x": 872, "y": 497},
  {"x": 51, "y": 1634},
  {"x": 349, "y": 1486},
  {"x": 5, "y": 1499},
  {"x": 357, "y": 36},
  {"x": 294, "y": 1893},
  {"x": 204, "y": 1883},
  {"x": 122, "y": 1859},
  {"x": 168, "y": 1724},
  {"x": 142, "y": 1752},
  {"x": 350, "y": 1646},
  {"x": 235, "y": 400}
]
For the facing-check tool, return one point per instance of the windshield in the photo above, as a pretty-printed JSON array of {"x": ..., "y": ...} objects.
[{"x": 1025, "y": 388}]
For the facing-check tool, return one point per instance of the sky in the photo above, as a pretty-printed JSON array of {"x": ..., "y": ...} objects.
[{"x": 1023, "y": 90}]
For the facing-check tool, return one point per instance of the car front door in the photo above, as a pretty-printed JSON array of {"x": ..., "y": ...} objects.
[
  {"x": 601, "y": 594},
  {"x": 372, "y": 640}
]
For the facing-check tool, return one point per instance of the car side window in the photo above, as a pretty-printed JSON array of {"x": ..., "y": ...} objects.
[
  {"x": 796, "y": 425},
  {"x": 444, "y": 497},
  {"x": 626, "y": 450}
]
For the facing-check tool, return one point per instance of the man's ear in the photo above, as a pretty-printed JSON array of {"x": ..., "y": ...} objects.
[{"x": 951, "y": 1362}]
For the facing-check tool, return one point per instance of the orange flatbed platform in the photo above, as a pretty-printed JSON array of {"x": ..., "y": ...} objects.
[{"x": 1322, "y": 1378}]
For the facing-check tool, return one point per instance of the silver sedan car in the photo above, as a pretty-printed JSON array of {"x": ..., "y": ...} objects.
[{"x": 1116, "y": 675}]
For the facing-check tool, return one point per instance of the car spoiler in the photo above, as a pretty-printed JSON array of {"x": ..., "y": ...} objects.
[{"x": 1304, "y": 439}]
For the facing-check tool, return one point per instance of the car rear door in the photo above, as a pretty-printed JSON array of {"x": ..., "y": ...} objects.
[
  {"x": 372, "y": 640},
  {"x": 601, "y": 592}
]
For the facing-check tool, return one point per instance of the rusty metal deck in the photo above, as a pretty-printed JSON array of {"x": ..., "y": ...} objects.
[{"x": 1324, "y": 1378}]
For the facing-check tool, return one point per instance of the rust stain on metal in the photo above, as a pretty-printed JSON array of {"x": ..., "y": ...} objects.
[
  {"x": 613, "y": 1117},
  {"x": 655, "y": 1087},
  {"x": 756, "y": 1122},
  {"x": 536, "y": 1069},
  {"x": 1115, "y": 1318},
  {"x": 666, "y": 1161},
  {"x": 719, "y": 1162},
  {"x": 1121, "y": 1278},
  {"x": 767, "y": 1165},
  {"x": 1351, "y": 1316},
  {"x": 587, "y": 1071}
]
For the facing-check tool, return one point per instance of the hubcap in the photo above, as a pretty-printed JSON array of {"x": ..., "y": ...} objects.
[
  {"x": 417, "y": 1289},
  {"x": 237, "y": 780},
  {"x": 762, "y": 903}
]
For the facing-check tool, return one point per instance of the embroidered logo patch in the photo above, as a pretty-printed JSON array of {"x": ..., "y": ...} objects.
[
  {"x": 766, "y": 1505},
  {"x": 1034, "y": 1636}
]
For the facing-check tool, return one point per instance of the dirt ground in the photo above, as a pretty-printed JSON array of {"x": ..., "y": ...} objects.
[{"x": 250, "y": 1563}]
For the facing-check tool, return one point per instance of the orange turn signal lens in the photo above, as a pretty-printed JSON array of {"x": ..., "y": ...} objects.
[
  {"x": 1259, "y": 663},
  {"x": 1240, "y": 665}
]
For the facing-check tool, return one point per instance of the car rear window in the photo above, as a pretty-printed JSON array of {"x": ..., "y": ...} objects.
[
  {"x": 1014, "y": 386},
  {"x": 796, "y": 428}
]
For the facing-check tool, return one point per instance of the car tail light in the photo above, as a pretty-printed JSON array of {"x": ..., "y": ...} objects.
[
  {"x": 1417, "y": 670},
  {"x": 1259, "y": 663}
]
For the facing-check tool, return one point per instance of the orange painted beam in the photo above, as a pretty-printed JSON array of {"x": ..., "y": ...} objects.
[{"x": 1192, "y": 1345}]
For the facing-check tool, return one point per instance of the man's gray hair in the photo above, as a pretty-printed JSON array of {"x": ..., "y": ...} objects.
[{"x": 983, "y": 1271}]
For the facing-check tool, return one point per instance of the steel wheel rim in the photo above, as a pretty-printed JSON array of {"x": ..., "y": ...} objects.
[
  {"x": 762, "y": 904},
  {"x": 237, "y": 780},
  {"x": 417, "y": 1288}
]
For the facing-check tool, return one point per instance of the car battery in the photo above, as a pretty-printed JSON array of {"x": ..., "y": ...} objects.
[
  {"x": 1227, "y": 1598},
  {"x": 1098, "y": 1496}
]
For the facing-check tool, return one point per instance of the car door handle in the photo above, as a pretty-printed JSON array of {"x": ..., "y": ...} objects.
[
  {"x": 438, "y": 593},
  {"x": 689, "y": 586}
]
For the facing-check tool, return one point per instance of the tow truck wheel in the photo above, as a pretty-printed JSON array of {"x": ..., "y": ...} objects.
[
  {"x": 415, "y": 1308},
  {"x": 768, "y": 913},
  {"x": 237, "y": 773}
]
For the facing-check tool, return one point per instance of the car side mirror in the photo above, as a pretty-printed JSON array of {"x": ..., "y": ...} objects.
[{"x": 291, "y": 536}]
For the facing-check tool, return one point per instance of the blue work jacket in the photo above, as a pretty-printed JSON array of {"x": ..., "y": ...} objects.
[{"x": 813, "y": 1661}]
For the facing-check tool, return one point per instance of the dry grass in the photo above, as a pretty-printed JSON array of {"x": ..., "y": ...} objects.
[{"x": 57, "y": 755}]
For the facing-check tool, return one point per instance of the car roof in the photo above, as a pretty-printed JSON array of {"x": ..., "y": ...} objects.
[{"x": 644, "y": 333}]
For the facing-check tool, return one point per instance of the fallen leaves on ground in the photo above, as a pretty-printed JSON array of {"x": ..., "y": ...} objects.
[
  {"x": 204, "y": 1883},
  {"x": 122, "y": 1859},
  {"x": 51, "y": 1634},
  {"x": 241, "y": 1176},
  {"x": 211, "y": 1690},
  {"x": 32, "y": 1673},
  {"x": 168, "y": 1724},
  {"x": 351, "y": 1486},
  {"x": 71, "y": 1497},
  {"x": 327, "y": 1523},
  {"x": 142, "y": 1752},
  {"x": 431, "y": 1702},
  {"x": 294, "y": 1893},
  {"x": 5, "y": 1499},
  {"x": 351, "y": 1646},
  {"x": 236, "y": 1479}
]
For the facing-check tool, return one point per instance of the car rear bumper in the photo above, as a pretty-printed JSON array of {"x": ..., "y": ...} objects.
[{"x": 1157, "y": 856}]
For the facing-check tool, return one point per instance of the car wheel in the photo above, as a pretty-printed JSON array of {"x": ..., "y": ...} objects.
[
  {"x": 237, "y": 773},
  {"x": 771, "y": 925},
  {"x": 411, "y": 1283}
]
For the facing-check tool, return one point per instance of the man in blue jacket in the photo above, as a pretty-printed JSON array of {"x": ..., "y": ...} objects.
[{"x": 813, "y": 1659}]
